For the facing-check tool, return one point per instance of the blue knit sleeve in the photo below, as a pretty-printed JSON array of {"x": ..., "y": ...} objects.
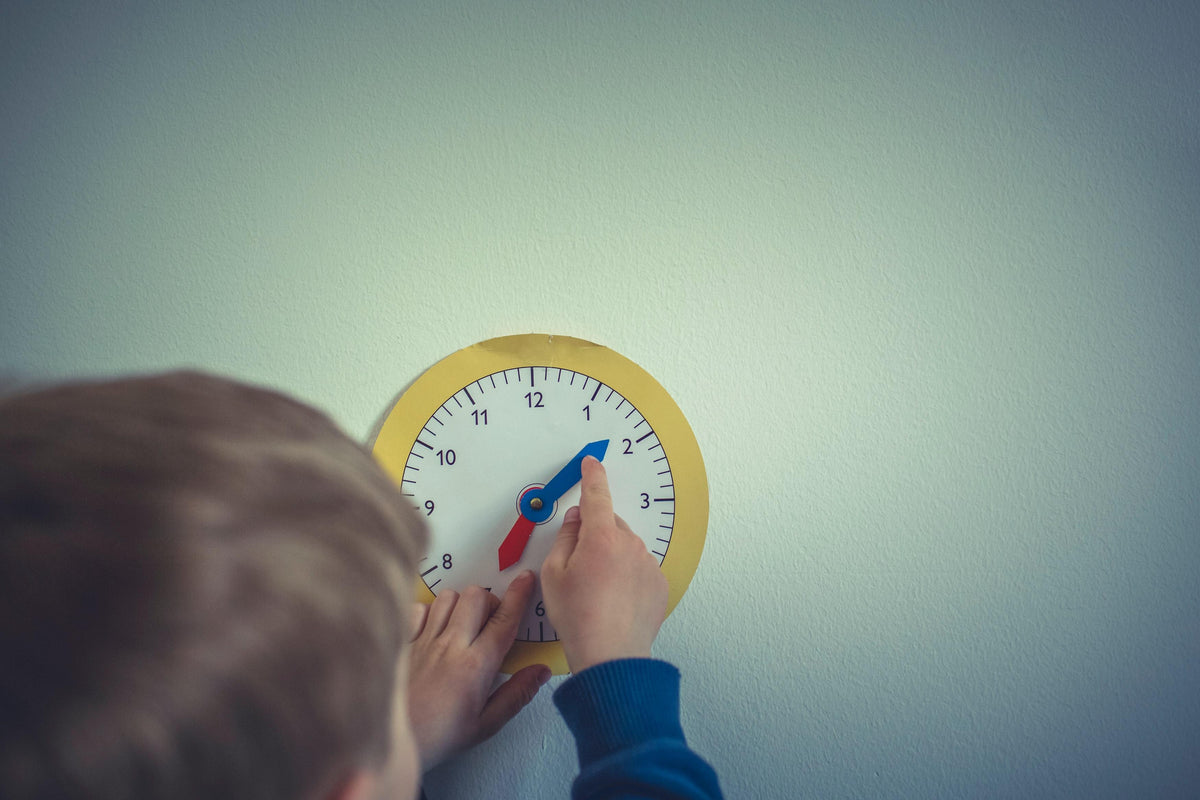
[{"x": 625, "y": 718}]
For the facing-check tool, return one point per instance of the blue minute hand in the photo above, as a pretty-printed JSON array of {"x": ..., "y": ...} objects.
[
  {"x": 537, "y": 505},
  {"x": 570, "y": 475}
]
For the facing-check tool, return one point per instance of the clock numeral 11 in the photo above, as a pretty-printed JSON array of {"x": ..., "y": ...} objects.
[{"x": 480, "y": 417}]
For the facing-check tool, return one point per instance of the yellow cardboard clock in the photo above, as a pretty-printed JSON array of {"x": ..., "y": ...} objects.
[{"x": 487, "y": 445}]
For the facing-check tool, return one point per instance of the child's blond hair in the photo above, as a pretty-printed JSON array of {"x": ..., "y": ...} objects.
[{"x": 203, "y": 589}]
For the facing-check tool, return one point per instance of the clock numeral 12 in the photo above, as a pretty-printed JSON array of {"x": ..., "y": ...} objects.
[{"x": 534, "y": 399}]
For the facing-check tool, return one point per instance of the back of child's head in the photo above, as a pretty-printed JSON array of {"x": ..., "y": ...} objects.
[{"x": 201, "y": 593}]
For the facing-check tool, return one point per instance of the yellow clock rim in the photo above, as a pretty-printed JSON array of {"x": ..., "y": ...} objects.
[{"x": 437, "y": 384}]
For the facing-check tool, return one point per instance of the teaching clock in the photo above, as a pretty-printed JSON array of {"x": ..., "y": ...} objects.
[{"x": 487, "y": 445}]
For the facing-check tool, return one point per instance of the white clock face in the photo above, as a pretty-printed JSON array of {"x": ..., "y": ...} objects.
[{"x": 497, "y": 437}]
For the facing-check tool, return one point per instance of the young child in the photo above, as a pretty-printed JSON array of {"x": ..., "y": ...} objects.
[{"x": 205, "y": 592}]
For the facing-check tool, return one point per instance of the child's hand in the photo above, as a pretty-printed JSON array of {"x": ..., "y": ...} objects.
[
  {"x": 455, "y": 657},
  {"x": 604, "y": 592}
]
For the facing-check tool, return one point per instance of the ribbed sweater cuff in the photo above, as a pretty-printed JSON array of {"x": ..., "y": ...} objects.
[{"x": 620, "y": 704}]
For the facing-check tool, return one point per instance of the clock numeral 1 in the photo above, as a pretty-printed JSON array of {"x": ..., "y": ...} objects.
[{"x": 587, "y": 413}]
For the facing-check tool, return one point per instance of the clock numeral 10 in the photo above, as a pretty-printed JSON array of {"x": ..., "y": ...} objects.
[{"x": 446, "y": 457}]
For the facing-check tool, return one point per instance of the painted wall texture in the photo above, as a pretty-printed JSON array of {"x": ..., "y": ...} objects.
[{"x": 925, "y": 278}]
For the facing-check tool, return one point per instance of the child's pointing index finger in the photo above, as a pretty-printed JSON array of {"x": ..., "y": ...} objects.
[{"x": 595, "y": 502}]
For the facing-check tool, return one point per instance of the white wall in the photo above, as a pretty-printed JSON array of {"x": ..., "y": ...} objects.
[{"x": 924, "y": 280}]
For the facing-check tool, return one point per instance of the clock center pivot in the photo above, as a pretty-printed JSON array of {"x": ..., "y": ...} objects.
[{"x": 533, "y": 504}]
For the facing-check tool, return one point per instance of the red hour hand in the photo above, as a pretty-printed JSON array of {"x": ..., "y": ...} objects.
[{"x": 514, "y": 543}]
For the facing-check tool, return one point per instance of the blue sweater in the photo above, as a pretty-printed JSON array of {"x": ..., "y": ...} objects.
[{"x": 625, "y": 718}]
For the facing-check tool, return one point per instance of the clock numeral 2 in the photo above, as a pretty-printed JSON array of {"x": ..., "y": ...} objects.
[{"x": 534, "y": 399}]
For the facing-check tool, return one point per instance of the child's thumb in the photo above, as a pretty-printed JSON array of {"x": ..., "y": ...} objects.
[{"x": 513, "y": 695}]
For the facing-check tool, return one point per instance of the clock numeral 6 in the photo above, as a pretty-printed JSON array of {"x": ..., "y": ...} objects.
[
  {"x": 540, "y": 609},
  {"x": 446, "y": 457}
]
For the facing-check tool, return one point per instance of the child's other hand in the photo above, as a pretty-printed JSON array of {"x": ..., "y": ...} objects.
[
  {"x": 604, "y": 592},
  {"x": 459, "y": 643}
]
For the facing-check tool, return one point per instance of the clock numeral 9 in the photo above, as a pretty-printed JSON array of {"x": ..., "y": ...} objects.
[
  {"x": 446, "y": 457},
  {"x": 428, "y": 507}
]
